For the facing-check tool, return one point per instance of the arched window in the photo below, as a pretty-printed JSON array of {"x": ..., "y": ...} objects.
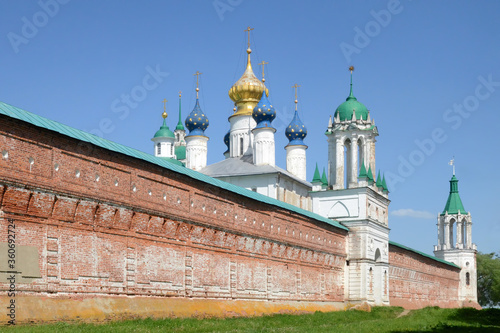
[
  {"x": 241, "y": 146},
  {"x": 158, "y": 148},
  {"x": 347, "y": 162},
  {"x": 467, "y": 278},
  {"x": 453, "y": 240},
  {"x": 361, "y": 153},
  {"x": 378, "y": 256}
]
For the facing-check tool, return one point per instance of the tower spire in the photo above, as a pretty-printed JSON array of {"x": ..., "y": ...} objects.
[
  {"x": 351, "y": 69},
  {"x": 452, "y": 163},
  {"x": 180, "y": 126}
]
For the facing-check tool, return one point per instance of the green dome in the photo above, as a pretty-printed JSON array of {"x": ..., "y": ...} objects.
[
  {"x": 164, "y": 132},
  {"x": 351, "y": 105},
  {"x": 180, "y": 152}
]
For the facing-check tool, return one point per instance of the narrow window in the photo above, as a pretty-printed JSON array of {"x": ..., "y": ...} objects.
[
  {"x": 158, "y": 148},
  {"x": 241, "y": 146},
  {"x": 467, "y": 278}
]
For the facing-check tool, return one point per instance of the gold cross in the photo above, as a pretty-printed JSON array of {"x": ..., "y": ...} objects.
[
  {"x": 248, "y": 30},
  {"x": 262, "y": 64},
  {"x": 295, "y": 86},
  {"x": 197, "y": 77},
  {"x": 164, "y": 114}
]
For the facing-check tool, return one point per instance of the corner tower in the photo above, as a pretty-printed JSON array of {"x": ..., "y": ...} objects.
[
  {"x": 351, "y": 142},
  {"x": 455, "y": 242}
]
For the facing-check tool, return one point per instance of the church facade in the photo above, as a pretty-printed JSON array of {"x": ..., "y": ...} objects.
[{"x": 106, "y": 231}]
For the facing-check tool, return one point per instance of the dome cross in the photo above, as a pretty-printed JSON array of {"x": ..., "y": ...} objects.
[
  {"x": 197, "y": 82},
  {"x": 296, "y": 86}
]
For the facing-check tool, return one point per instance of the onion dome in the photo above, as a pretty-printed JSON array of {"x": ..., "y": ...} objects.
[
  {"x": 264, "y": 113},
  {"x": 247, "y": 91},
  {"x": 164, "y": 131},
  {"x": 296, "y": 131},
  {"x": 196, "y": 121},
  {"x": 226, "y": 141},
  {"x": 350, "y": 106}
]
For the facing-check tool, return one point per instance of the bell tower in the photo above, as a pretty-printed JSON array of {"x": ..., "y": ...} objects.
[
  {"x": 455, "y": 241},
  {"x": 357, "y": 200}
]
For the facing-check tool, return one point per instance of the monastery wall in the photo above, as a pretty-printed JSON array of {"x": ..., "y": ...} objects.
[
  {"x": 416, "y": 281},
  {"x": 100, "y": 234}
]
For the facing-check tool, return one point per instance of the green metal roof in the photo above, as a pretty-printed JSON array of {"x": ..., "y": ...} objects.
[
  {"x": 164, "y": 131},
  {"x": 173, "y": 165},
  {"x": 379, "y": 180},
  {"x": 351, "y": 105},
  {"x": 324, "y": 179},
  {"x": 384, "y": 185},
  {"x": 454, "y": 203},
  {"x": 317, "y": 177},
  {"x": 180, "y": 152},
  {"x": 362, "y": 171},
  {"x": 370, "y": 175},
  {"x": 423, "y": 254}
]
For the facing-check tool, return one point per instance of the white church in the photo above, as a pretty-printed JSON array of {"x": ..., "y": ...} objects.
[{"x": 349, "y": 192}]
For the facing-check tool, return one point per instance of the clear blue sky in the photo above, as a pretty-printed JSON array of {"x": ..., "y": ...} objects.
[{"x": 421, "y": 68}]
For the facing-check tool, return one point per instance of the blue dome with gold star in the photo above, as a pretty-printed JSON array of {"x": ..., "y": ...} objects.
[
  {"x": 296, "y": 131},
  {"x": 264, "y": 113},
  {"x": 196, "y": 122}
]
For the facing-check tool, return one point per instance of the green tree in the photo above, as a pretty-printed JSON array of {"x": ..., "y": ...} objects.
[{"x": 488, "y": 279}]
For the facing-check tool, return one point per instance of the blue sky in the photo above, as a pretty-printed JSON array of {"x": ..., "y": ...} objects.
[{"x": 428, "y": 72}]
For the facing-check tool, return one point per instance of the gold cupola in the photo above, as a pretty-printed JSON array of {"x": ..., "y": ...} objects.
[{"x": 247, "y": 91}]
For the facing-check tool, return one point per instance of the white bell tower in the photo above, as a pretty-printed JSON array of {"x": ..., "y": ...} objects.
[{"x": 455, "y": 242}]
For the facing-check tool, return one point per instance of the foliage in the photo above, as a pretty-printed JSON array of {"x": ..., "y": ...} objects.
[
  {"x": 380, "y": 319},
  {"x": 488, "y": 279}
]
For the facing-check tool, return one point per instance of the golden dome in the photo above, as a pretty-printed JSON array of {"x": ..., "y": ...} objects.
[{"x": 247, "y": 91}]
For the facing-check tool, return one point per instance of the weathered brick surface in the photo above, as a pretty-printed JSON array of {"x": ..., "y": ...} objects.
[
  {"x": 108, "y": 224},
  {"x": 416, "y": 281}
]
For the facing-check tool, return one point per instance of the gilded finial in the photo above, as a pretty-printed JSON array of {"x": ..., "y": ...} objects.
[
  {"x": 197, "y": 82},
  {"x": 164, "y": 114},
  {"x": 180, "y": 94},
  {"x": 262, "y": 64},
  {"x": 296, "y": 101},
  {"x": 351, "y": 69},
  {"x": 248, "y": 30}
]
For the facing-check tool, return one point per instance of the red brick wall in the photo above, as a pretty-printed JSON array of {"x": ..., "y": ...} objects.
[
  {"x": 108, "y": 224},
  {"x": 416, "y": 281}
]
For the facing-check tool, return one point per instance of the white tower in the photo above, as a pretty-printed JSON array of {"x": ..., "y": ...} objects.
[
  {"x": 263, "y": 145},
  {"x": 196, "y": 140},
  {"x": 296, "y": 148},
  {"x": 358, "y": 202},
  {"x": 245, "y": 94},
  {"x": 351, "y": 141},
  {"x": 455, "y": 243},
  {"x": 164, "y": 138}
]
